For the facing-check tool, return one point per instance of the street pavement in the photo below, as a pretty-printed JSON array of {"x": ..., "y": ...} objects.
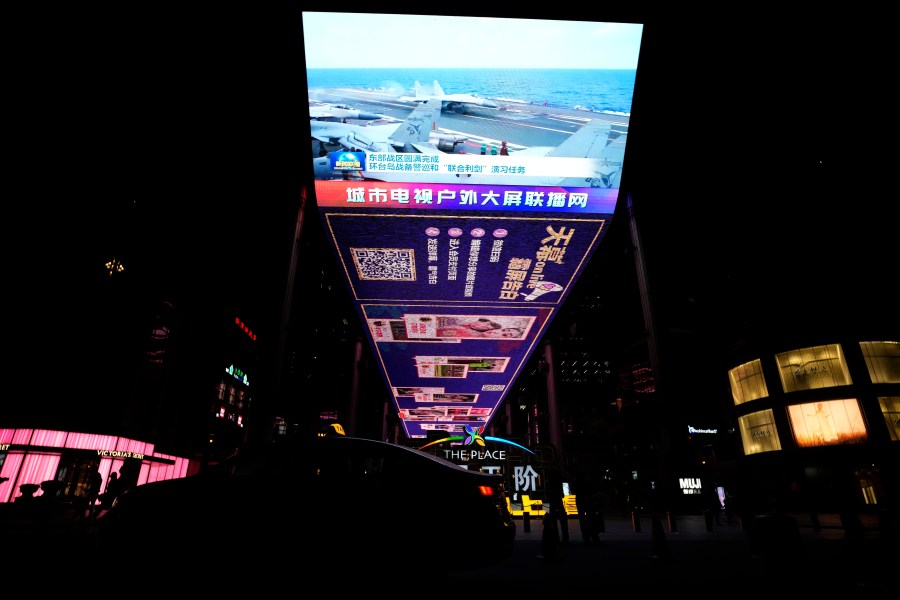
[
  {"x": 724, "y": 561},
  {"x": 682, "y": 556}
]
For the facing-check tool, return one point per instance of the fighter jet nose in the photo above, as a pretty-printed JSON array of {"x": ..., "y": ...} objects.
[
  {"x": 491, "y": 104},
  {"x": 367, "y": 116}
]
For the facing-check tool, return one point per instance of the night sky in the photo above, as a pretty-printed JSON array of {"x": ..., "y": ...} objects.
[{"x": 759, "y": 169}]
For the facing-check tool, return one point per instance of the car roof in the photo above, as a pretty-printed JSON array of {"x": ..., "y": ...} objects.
[{"x": 288, "y": 451}]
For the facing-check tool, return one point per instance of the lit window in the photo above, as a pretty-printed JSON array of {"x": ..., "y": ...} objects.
[
  {"x": 747, "y": 382},
  {"x": 883, "y": 361},
  {"x": 813, "y": 368},
  {"x": 890, "y": 408},
  {"x": 827, "y": 423},
  {"x": 758, "y": 432}
]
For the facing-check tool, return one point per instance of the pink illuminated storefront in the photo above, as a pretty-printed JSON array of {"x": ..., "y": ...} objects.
[{"x": 36, "y": 456}]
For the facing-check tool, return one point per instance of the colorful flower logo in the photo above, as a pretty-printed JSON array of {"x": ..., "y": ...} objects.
[{"x": 473, "y": 436}]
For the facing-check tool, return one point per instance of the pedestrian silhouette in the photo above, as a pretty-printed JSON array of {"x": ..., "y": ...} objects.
[
  {"x": 589, "y": 501},
  {"x": 659, "y": 545},
  {"x": 95, "y": 485},
  {"x": 113, "y": 488},
  {"x": 549, "y": 538},
  {"x": 554, "y": 492}
]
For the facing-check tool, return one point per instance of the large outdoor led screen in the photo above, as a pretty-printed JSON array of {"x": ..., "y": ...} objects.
[{"x": 464, "y": 189}]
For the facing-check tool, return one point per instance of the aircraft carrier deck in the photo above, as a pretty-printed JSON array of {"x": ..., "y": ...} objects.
[{"x": 520, "y": 124}]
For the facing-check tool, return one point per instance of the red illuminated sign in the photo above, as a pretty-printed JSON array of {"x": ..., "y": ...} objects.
[{"x": 245, "y": 328}]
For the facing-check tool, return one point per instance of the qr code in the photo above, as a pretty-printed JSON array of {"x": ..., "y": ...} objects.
[{"x": 385, "y": 264}]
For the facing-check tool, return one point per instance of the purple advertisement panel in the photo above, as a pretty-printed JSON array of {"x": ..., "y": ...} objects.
[
  {"x": 511, "y": 259},
  {"x": 454, "y": 303},
  {"x": 448, "y": 368}
]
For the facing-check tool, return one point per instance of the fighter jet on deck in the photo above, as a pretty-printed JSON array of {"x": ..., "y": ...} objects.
[
  {"x": 596, "y": 141},
  {"x": 339, "y": 113},
  {"x": 412, "y": 135},
  {"x": 408, "y": 135},
  {"x": 452, "y": 102}
]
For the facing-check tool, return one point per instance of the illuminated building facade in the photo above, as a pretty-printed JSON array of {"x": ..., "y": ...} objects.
[
  {"x": 820, "y": 427},
  {"x": 34, "y": 462}
]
